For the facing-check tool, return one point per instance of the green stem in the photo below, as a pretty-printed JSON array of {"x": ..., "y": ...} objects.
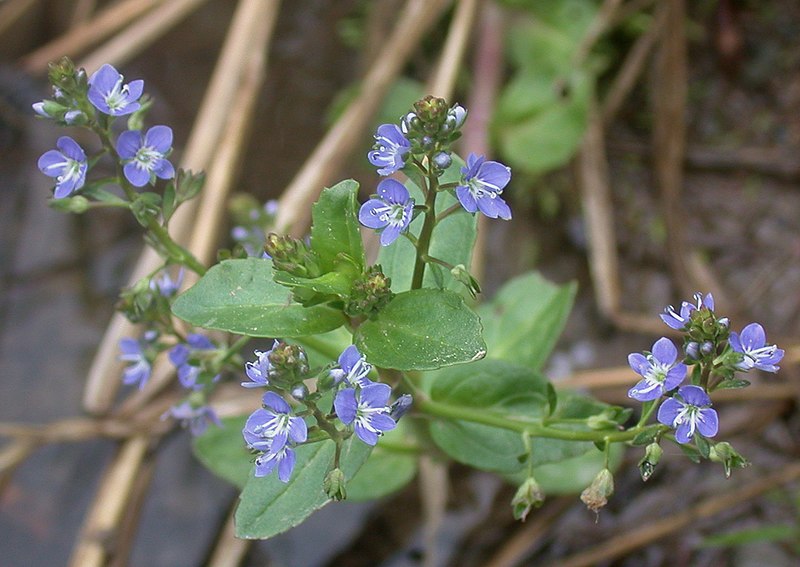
[
  {"x": 177, "y": 252},
  {"x": 449, "y": 211},
  {"x": 424, "y": 240}
]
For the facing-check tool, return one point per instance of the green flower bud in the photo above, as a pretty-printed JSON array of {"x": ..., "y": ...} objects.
[
  {"x": 461, "y": 274},
  {"x": 730, "y": 458},
  {"x": 77, "y": 204},
  {"x": 596, "y": 495},
  {"x": 652, "y": 454},
  {"x": 334, "y": 485},
  {"x": 370, "y": 293},
  {"x": 529, "y": 495},
  {"x": 289, "y": 364}
]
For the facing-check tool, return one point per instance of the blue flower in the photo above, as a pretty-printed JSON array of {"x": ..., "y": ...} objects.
[
  {"x": 679, "y": 320},
  {"x": 689, "y": 412},
  {"x": 67, "y": 164},
  {"x": 180, "y": 356},
  {"x": 108, "y": 95},
  {"x": 367, "y": 409},
  {"x": 353, "y": 368},
  {"x": 756, "y": 353},
  {"x": 270, "y": 428},
  {"x": 391, "y": 210},
  {"x": 482, "y": 183},
  {"x": 139, "y": 366},
  {"x": 165, "y": 285},
  {"x": 195, "y": 418},
  {"x": 660, "y": 371},
  {"x": 390, "y": 147},
  {"x": 259, "y": 371},
  {"x": 283, "y": 459},
  {"x": 145, "y": 157}
]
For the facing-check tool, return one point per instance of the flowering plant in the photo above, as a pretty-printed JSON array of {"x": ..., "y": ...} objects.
[{"x": 356, "y": 346}]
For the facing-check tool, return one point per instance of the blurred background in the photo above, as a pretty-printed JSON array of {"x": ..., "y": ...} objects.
[{"x": 655, "y": 147}]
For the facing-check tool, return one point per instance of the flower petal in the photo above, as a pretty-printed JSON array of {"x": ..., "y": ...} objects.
[
  {"x": 695, "y": 396},
  {"x": 70, "y": 148},
  {"x": 494, "y": 174},
  {"x": 707, "y": 422},
  {"x": 376, "y": 395},
  {"x": 369, "y": 216},
  {"x": 129, "y": 143},
  {"x": 159, "y": 138},
  {"x": 753, "y": 336},
  {"x": 345, "y": 405},
  {"x": 664, "y": 351},
  {"x": 669, "y": 411},
  {"x": 466, "y": 199},
  {"x": 392, "y": 191},
  {"x": 275, "y": 402},
  {"x": 137, "y": 176}
]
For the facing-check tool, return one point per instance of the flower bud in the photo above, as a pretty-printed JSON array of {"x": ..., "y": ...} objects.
[
  {"x": 457, "y": 114},
  {"x": 334, "y": 485},
  {"x": 442, "y": 160},
  {"x": 652, "y": 454},
  {"x": 529, "y": 495},
  {"x": 461, "y": 274},
  {"x": 77, "y": 204},
  {"x": 730, "y": 458},
  {"x": 724, "y": 322},
  {"x": 596, "y": 495},
  {"x": 288, "y": 363},
  {"x": 299, "y": 391},
  {"x": 431, "y": 110},
  {"x": 693, "y": 350},
  {"x": 370, "y": 293},
  {"x": 706, "y": 348},
  {"x": 400, "y": 407}
]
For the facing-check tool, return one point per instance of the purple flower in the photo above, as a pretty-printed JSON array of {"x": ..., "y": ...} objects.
[
  {"x": 391, "y": 210},
  {"x": 165, "y": 285},
  {"x": 390, "y": 147},
  {"x": 139, "y": 367},
  {"x": 689, "y": 412},
  {"x": 259, "y": 371},
  {"x": 108, "y": 95},
  {"x": 482, "y": 183},
  {"x": 284, "y": 459},
  {"x": 269, "y": 428},
  {"x": 67, "y": 164},
  {"x": 660, "y": 371},
  {"x": 180, "y": 356},
  {"x": 145, "y": 157},
  {"x": 353, "y": 368},
  {"x": 679, "y": 320},
  {"x": 367, "y": 409},
  {"x": 756, "y": 353},
  {"x": 195, "y": 418}
]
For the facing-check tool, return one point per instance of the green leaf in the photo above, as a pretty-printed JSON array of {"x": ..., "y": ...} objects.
[
  {"x": 422, "y": 329},
  {"x": 332, "y": 283},
  {"x": 268, "y": 507},
  {"x": 223, "y": 452},
  {"x": 525, "y": 319},
  {"x": 513, "y": 392},
  {"x": 240, "y": 296},
  {"x": 789, "y": 533},
  {"x": 452, "y": 241},
  {"x": 547, "y": 140},
  {"x": 496, "y": 387},
  {"x": 335, "y": 226}
]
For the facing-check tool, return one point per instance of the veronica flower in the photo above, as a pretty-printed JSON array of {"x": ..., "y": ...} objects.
[
  {"x": 259, "y": 370},
  {"x": 196, "y": 419},
  {"x": 752, "y": 344},
  {"x": 139, "y": 367},
  {"x": 67, "y": 164},
  {"x": 353, "y": 368},
  {"x": 180, "y": 356},
  {"x": 269, "y": 428},
  {"x": 165, "y": 285},
  {"x": 689, "y": 413},
  {"x": 145, "y": 157},
  {"x": 283, "y": 459},
  {"x": 108, "y": 95},
  {"x": 367, "y": 409},
  {"x": 390, "y": 147},
  {"x": 482, "y": 183},
  {"x": 391, "y": 210},
  {"x": 679, "y": 319},
  {"x": 660, "y": 371}
]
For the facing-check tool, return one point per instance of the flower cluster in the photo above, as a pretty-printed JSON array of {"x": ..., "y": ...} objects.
[
  {"x": 422, "y": 142},
  {"x": 360, "y": 405},
  {"x": 105, "y": 96},
  {"x": 713, "y": 352}
]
